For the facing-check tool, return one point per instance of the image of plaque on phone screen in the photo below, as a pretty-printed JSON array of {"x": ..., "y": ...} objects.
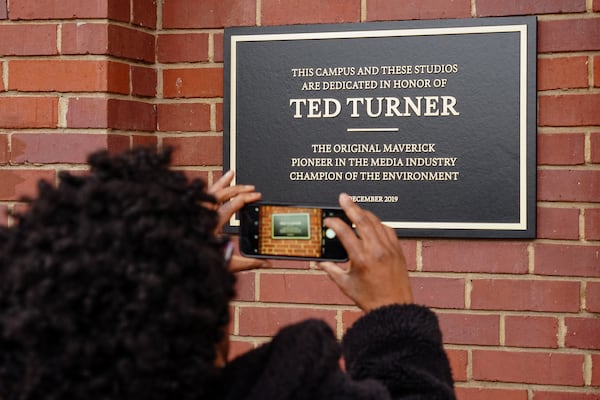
[{"x": 290, "y": 232}]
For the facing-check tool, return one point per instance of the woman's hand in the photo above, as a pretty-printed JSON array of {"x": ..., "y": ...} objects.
[
  {"x": 376, "y": 274},
  {"x": 230, "y": 199}
]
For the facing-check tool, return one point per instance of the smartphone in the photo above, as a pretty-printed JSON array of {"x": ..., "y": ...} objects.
[{"x": 287, "y": 231}]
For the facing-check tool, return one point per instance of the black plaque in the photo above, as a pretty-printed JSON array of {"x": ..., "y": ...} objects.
[
  {"x": 290, "y": 226},
  {"x": 430, "y": 124}
]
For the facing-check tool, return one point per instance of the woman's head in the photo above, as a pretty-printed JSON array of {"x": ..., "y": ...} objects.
[{"x": 113, "y": 285}]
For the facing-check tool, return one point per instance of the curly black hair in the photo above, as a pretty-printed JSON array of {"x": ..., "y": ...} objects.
[{"x": 113, "y": 286}]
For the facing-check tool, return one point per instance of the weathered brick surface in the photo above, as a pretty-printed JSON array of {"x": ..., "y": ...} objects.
[
  {"x": 28, "y": 112},
  {"x": 385, "y": 10},
  {"x": 561, "y": 149},
  {"x": 558, "y": 223},
  {"x": 52, "y": 9},
  {"x": 28, "y": 39},
  {"x": 208, "y": 13},
  {"x": 275, "y": 12},
  {"x": 46, "y": 148},
  {"x": 487, "y": 8},
  {"x": 528, "y": 367}
]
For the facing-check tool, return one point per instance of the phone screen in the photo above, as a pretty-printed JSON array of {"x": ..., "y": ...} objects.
[{"x": 290, "y": 231}]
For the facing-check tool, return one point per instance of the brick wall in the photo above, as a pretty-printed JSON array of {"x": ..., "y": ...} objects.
[{"x": 520, "y": 318}]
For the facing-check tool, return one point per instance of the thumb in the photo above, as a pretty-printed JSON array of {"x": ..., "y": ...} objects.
[{"x": 239, "y": 263}]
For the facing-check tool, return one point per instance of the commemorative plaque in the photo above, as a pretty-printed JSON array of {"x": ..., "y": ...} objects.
[{"x": 429, "y": 124}]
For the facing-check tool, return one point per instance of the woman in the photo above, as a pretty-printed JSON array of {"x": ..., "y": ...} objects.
[{"x": 116, "y": 285}]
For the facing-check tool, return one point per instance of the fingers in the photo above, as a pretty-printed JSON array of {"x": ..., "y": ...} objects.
[
  {"x": 368, "y": 226},
  {"x": 222, "y": 182},
  {"x": 230, "y": 199},
  {"x": 335, "y": 272},
  {"x": 232, "y": 206}
]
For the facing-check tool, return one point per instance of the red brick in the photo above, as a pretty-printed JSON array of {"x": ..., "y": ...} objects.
[
  {"x": 28, "y": 112},
  {"x": 194, "y": 174},
  {"x": 300, "y": 288},
  {"x": 592, "y": 297},
  {"x": 479, "y": 256},
  {"x": 144, "y": 13},
  {"x": 525, "y": 295},
  {"x": 4, "y": 153},
  {"x": 189, "y": 47},
  {"x": 266, "y": 321},
  {"x": 47, "y": 148},
  {"x": 383, "y": 10},
  {"x": 143, "y": 81},
  {"x": 22, "y": 182},
  {"x": 208, "y": 13},
  {"x": 581, "y": 34},
  {"x": 597, "y": 71},
  {"x": 583, "y": 333},
  {"x": 130, "y": 43},
  {"x": 562, "y": 73},
  {"x": 561, "y": 149},
  {"x": 3, "y": 10},
  {"x": 595, "y": 369},
  {"x": 59, "y": 75},
  {"x": 2, "y": 88},
  {"x": 459, "y": 360},
  {"x": 84, "y": 38},
  {"x": 569, "y": 110},
  {"x": 117, "y": 76},
  {"x": 116, "y": 144},
  {"x": 568, "y": 185},
  {"x": 193, "y": 82},
  {"x": 474, "y": 393},
  {"x": 237, "y": 348},
  {"x": 52, "y": 9},
  {"x": 474, "y": 329},
  {"x": 557, "y": 223},
  {"x": 197, "y": 150},
  {"x": 595, "y": 147},
  {"x": 596, "y": 6},
  {"x": 528, "y": 367},
  {"x": 562, "y": 395},
  {"x": 567, "y": 260},
  {"x": 28, "y": 39},
  {"x": 592, "y": 223},
  {"x": 409, "y": 248},
  {"x": 87, "y": 113},
  {"x": 131, "y": 115},
  {"x": 183, "y": 117},
  {"x": 349, "y": 317},
  {"x": 119, "y": 10},
  {"x": 439, "y": 292},
  {"x": 245, "y": 286},
  {"x": 144, "y": 141},
  {"x": 488, "y": 8},
  {"x": 276, "y": 12},
  {"x": 218, "y": 40},
  {"x": 529, "y": 331}
]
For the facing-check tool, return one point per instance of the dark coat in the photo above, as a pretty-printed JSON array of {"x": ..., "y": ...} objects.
[{"x": 394, "y": 352}]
